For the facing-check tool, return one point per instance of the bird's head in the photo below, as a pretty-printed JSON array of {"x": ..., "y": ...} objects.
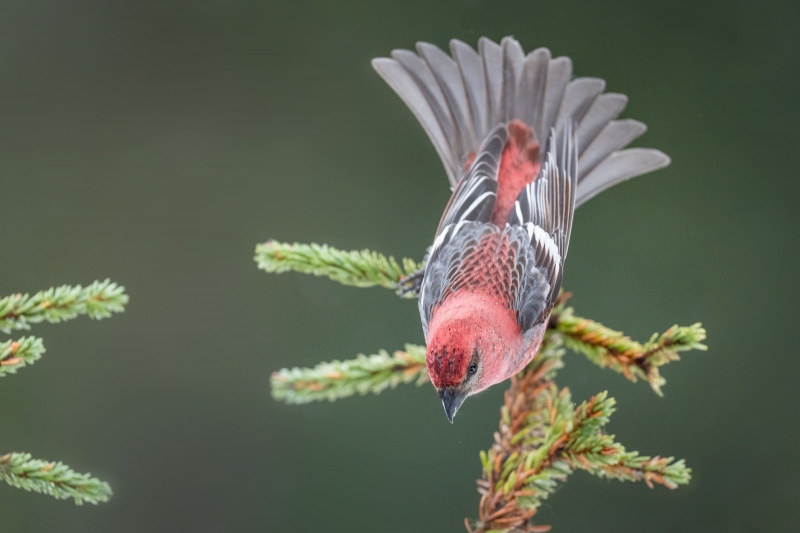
[{"x": 454, "y": 365}]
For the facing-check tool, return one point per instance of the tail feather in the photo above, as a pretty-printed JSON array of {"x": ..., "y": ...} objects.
[
  {"x": 470, "y": 66},
  {"x": 619, "y": 166},
  {"x": 578, "y": 98},
  {"x": 492, "y": 57},
  {"x": 532, "y": 88},
  {"x": 459, "y": 99},
  {"x": 513, "y": 63},
  {"x": 412, "y": 94},
  {"x": 422, "y": 75},
  {"x": 614, "y": 135},
  {"x": 559, "y": 72},
  {"x": 447, "y": 75},
  {"x": 605, "y": 108}
]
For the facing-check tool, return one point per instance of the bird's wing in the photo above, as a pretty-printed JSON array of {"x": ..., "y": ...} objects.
[
  {"x": 465, "y": 219},
  {"x": 474, "y": 197},
  {"x": 542, "y": 218},
  {"x": 446, "y": 258}
]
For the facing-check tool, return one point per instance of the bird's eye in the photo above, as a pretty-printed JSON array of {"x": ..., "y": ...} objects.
[{"x": 473, "y": 367}]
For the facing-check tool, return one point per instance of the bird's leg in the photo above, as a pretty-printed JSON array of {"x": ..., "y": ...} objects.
[{"x": 409, "y": 286}]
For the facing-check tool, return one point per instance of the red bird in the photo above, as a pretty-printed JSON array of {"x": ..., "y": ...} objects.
[{"x": 523, "y": 146}]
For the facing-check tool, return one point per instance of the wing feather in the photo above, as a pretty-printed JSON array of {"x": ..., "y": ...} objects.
[
  {"x": 545, "y": 209},
  {"x": 475, "y": 195}
]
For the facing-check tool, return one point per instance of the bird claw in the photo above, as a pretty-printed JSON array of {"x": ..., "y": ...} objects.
[{"x": 409, "y": 286}]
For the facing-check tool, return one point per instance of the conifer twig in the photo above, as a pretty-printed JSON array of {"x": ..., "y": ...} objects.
[
  {"x": 19, "y": 353},
  {"x": 612, "y": 349},
  {"x": 340, "y": 379},
  {"x": 362, "y": 268},
  {"x": 602, "y": 345},
  {"x": 542, "y": 439},
  {"x": 19, "y": 311},
  {"x": 97, "y": 300},
  {"x": 53, "y": 478}
]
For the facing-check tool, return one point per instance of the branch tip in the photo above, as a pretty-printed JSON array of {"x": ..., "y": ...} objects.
[
  {"x": 98, "y": 300},
  {"x": 362, "y": 268},
  {"x": 52, "y": 478}
]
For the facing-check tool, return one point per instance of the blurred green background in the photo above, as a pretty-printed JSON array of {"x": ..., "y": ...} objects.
[{"x": 156, "y": 143}]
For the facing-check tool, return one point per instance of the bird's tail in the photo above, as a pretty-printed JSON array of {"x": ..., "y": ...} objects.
[{"x": 460, "y": 99}]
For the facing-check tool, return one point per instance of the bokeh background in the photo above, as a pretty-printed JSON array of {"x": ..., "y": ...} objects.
[{"x": 156, "y": 143}]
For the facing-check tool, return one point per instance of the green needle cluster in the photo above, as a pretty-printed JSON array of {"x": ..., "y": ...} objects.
[
  {"x": 17, "y": 354},
  {"x": 54, "y": 479},
  {"x": 17, "y": 312},
  {"x": 362, "y": 268},
  {"x": 98, "y": 300},
  {"x": 608, "y": 348},
  {"x": 340, "y": 379}
]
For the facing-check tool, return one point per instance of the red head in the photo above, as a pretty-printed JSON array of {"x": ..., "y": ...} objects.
[
  {"x": 468, "y": 340},
  {"x": 453, "y": 360}
]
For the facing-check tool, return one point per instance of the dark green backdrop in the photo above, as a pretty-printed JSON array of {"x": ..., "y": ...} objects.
[{"x": 157, "y": 142}]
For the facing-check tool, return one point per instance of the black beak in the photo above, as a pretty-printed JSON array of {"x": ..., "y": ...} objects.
[{"x": 452, "y": 399}]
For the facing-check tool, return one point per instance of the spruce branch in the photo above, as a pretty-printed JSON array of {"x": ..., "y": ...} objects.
[
  {"x": 56, "y": 479},
  {"x": 20, "y": 353},
  {"x": 19, "y": 311},
  {"x": 374, "y": 374},
  {"x": 357, "y": 268},
  {"x": 98, "y": 300},
  {"x": 340, "y": 379},
  {"x": 543, "y": 438},
  {"x": 596, "y": 452},
  {"x": 602, "y": 345},
  {"x": 608, "y": 348}
]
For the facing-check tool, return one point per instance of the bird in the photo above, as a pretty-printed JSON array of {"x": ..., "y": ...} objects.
[{"x": 523, "y": 144}]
